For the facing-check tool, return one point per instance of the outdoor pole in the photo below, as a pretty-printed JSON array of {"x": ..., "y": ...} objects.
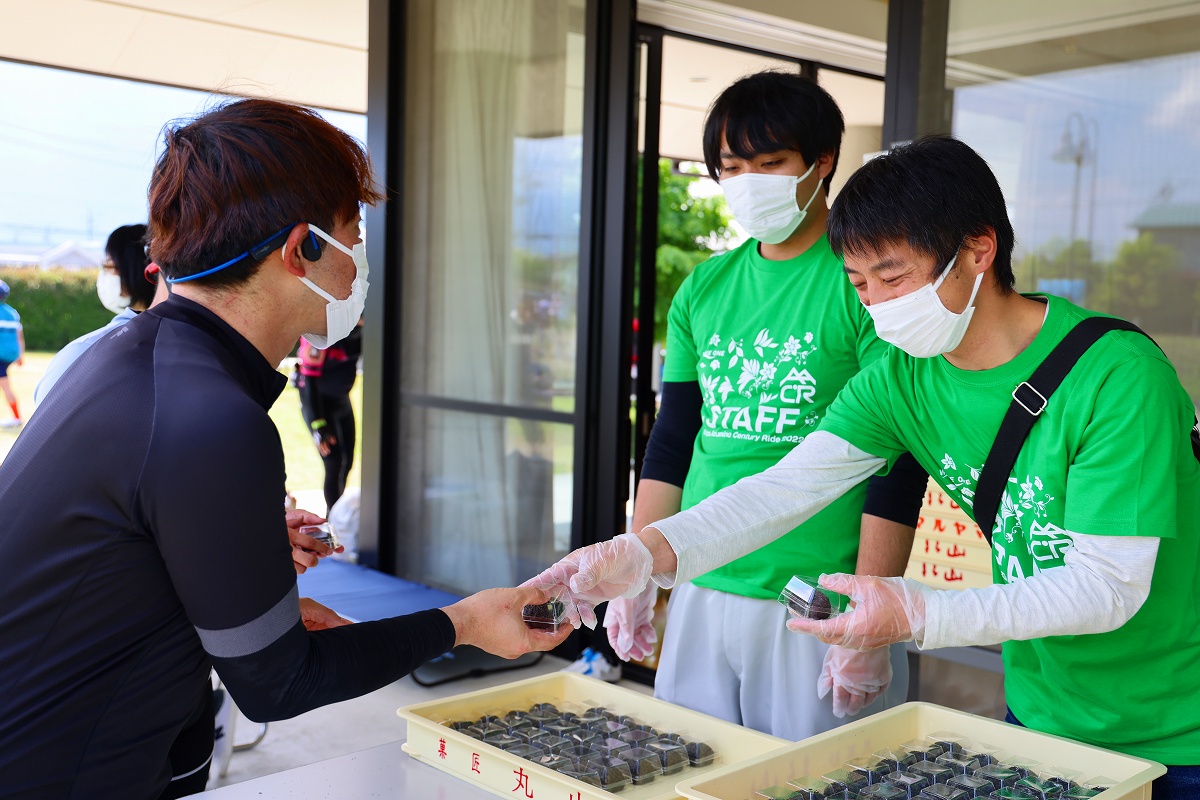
[
  {"x": 1074, "y": 215},
  {"x": 1074, "y": 152},
  {"x": 1095, "y": 148}
]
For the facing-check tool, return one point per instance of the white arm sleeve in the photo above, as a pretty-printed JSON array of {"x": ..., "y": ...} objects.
[
  {"x": 1103, "y": 582},
  {"x": 759, "y": 509}
]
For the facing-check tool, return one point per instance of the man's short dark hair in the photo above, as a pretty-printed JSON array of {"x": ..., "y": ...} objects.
[
  {"x": 241, "y": 173},
  {"x": 771, "y": 111},
  {"x": 930, "y": 194},
  {"x": 126, "y": 248}
]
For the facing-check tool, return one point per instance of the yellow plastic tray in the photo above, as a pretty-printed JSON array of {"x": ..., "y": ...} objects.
[
  {"x": 508, "y": 776},
  {"x": 827, "y": 751}
]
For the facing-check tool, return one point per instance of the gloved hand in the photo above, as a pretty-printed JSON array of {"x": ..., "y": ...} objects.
[
  {"x": 856, "y": 678},
  {"x": 630, "y": 624},
  {"x": 886, "y": 610},
  {"x": 620, "y": 567}
]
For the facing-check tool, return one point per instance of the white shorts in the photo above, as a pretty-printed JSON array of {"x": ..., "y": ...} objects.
[{"x": 732, "y": 657}]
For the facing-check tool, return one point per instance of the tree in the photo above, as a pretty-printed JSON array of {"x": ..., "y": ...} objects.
[
  {"x": 1145, "y": 286},
  {"x": 1062, "y": 268},
  {"x": 690, "y": 230}
]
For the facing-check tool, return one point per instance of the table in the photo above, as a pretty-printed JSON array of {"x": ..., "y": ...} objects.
[{"x": 383, "y": 771}]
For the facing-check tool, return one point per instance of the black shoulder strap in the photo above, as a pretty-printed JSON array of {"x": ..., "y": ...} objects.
[{"x": 1029, "y": 400}]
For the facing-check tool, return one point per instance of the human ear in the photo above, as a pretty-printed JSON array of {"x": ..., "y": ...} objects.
[
  {"x": 824, "y": 165},
  {"x": 293, "y": 261},
  {"x": 982, "y": 249}
]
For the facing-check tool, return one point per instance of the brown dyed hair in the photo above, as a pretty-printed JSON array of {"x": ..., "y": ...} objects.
[{"x": 236, "y": 175}]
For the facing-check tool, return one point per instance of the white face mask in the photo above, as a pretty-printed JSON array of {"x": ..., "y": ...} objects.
[
  {"x": 765, "y": 205},
  {"x": 341, "y": 315},
  {"x": 108, "y": 289},
  {"x": 919, "y": 324}
]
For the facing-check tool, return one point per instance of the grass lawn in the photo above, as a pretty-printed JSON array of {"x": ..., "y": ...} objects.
[{"x": 303, "y": 464}]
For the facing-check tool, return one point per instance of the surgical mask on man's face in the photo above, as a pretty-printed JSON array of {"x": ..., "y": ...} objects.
[
  {"x": 341, "y": 315},
  {"x": 919, "y": 323},
  {"x": 108, "y": 289},
  {"x": 765, "y": 205}
]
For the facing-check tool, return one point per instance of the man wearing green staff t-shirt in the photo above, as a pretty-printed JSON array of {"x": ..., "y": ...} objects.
[
  {"x": 1096, "y": 546},
  {"x": 759, "y": 342}
]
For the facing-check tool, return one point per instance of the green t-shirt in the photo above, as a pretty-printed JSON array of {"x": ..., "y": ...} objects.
[
  {"x": 1110, "y": 455},
  {"x": 771, "y": 343}
]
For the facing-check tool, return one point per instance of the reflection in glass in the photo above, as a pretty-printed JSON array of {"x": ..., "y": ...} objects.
[
  {"x": 493, "y": 144},
  {"x": 1089, "y": 120},
  {"x": 492, "y": 187},
  {"x": 492, "y": 506}
]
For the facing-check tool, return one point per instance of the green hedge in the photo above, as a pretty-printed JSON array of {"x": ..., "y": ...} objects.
[{"x": 56, "y": 305}]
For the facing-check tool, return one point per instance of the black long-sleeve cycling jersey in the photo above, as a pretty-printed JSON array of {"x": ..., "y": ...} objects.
[{"x": 142, "y": 525}]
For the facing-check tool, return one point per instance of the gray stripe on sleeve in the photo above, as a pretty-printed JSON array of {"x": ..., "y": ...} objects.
[{"x": 256, "y": 634}]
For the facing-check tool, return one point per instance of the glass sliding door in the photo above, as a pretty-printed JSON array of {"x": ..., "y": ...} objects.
[
  {"x": 1087, "y": 110},
  {"x": 492, "y": 165}
]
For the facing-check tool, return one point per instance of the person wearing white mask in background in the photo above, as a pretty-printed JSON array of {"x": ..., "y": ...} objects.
[
  {"x": 1096, "y": 543},
  {"x": 144, "y": 536},
  {"x": 128, "y": 284},
  {"x": 124, "y": 287},
  {"x": 760, "y": 340}
]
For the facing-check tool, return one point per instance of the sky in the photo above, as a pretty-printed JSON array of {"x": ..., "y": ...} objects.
[
  {"x": 1142, "y": 123},
  {"x": 76, "y": 150}
]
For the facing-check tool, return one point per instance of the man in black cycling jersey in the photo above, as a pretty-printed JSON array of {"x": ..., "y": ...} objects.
[{"x": 145, "y": 540}]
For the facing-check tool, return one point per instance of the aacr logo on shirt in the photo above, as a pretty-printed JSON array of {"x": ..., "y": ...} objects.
[
  {"x": 1024, "y": 540},
  {"x": 754, "y": 398},
  {"x": 1048, "y": 545}
]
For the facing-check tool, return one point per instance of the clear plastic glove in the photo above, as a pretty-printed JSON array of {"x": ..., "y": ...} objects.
[
  {"x": 620, "y": 567},
  {"x": 856, "y": 678},
  {"x": 886, "y": 610},
  {"x": 630, "y": 624}
]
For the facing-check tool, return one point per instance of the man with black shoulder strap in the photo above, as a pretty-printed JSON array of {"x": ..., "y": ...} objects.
[{"x": 1096, "y": 538}]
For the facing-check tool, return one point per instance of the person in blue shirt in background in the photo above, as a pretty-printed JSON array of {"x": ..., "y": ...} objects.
[{"x": 12, "y": 351}]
